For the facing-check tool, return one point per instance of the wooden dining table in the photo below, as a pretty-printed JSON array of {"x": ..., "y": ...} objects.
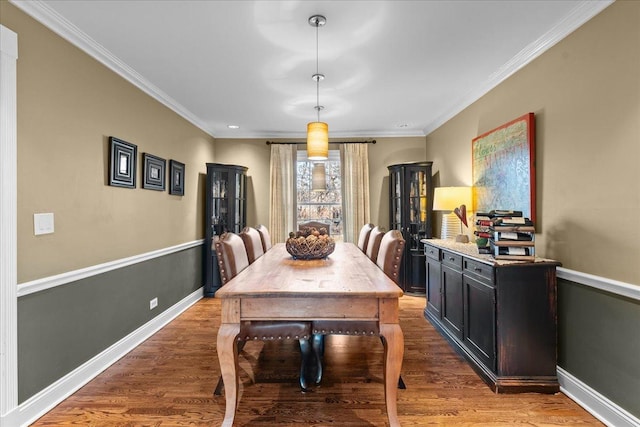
[{"x": 347, "y": 285}]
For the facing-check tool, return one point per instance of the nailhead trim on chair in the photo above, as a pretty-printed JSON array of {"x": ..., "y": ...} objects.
[{"x": 271, "y": 337}]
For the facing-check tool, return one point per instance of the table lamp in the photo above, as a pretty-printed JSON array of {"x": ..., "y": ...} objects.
[{"x": 449, "y": 199}]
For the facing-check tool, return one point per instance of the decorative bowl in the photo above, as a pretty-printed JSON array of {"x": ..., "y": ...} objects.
[{"x": 310, "y": 244}]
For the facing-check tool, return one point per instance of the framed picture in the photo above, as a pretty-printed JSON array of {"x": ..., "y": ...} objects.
[
  {"x": 176, "y": 176},
  {"x": 504, "y": 175},
  {"x": 122, "y": 163},
  {"x": 154, "y": 172}
]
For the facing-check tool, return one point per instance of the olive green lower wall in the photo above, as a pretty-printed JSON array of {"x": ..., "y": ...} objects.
[
  {"x": 63, "y": 327},
  {"x": 599, "y": 343}
]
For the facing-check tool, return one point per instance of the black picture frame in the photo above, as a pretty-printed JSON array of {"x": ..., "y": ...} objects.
[
  {"x": 122, "y": 163},
  {"x": 155, "y": 171},
  {"x": 176, "y": 178}
]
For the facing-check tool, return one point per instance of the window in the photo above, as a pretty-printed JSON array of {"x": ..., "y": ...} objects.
[{"x": 321, "y": 206}]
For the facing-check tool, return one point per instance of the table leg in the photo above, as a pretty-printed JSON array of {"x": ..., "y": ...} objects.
[
  {"x": 228, "y": 358},
  {"x": 393, "y": 340}
]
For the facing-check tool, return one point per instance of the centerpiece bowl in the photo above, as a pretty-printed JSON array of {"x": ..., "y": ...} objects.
[{"x": 310, "y": 243}]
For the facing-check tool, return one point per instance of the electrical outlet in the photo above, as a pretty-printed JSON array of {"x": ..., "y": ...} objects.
[{"x": 153, "y": 303}]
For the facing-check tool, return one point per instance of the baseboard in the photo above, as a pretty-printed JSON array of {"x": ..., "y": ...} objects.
[
  {"x": 46, "y": 399},
  {"x": 595, "y": 403}
]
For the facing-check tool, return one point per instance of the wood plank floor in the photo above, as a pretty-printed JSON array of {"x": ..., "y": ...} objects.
[{"x": 169, "y": 381}]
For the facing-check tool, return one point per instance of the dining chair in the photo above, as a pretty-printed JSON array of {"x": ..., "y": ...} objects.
[
  {"x": 390, "y": 254},
  {"x": 363, "y": 237},
  {"x": 232, "y": 259},
  {"x": 253, "y": 243},
  {"x": 265, "y": 236},
  {"x": 373, "y": 244},
  {"x": 389, "y": 259}
]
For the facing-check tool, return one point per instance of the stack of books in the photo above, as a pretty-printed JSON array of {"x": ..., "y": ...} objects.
[{"x": 511, "y": 235}]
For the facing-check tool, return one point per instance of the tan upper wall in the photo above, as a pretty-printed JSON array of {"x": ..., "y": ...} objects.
[
  {"x": 68, "y": 106},
  {"x": 585, "y": 93},
  {"x": 255, "y": 154}
]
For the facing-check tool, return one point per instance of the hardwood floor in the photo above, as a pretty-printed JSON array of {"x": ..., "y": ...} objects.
[{"x": 169, "y": 381}]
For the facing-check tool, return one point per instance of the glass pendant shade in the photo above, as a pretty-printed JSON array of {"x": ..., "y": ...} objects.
[
  {"x": 318, "y": 141},
  {"x": 318, "y": 178}
]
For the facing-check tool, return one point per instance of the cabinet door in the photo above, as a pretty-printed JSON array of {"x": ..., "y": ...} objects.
[
  {"x": 395, "y": 193},
  {"x": 434, "y": 296},
  {"x": 452, "y": 313},
  {"x": 480, "y": 320}
]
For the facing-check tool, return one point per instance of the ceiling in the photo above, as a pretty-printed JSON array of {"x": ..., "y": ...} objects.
[{"x": 393, "y": 68}]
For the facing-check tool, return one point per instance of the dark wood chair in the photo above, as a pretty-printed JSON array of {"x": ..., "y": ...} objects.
[
  {"x": 253, "y": 243},
  {"x": 373, "y": 244},
  {"x": 265, "y": 236},
  {"x": 232, "y": 259},
  {"x": 363, "y": 237},
  {"x": 389, "y": 259}
]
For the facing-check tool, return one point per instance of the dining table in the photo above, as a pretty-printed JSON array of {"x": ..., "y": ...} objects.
[{"x": 345, "y": 286}]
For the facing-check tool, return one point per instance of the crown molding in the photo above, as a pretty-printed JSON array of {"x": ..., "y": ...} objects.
[
  {"x": 44, "y": 14},
  {"x": 582, "y": 13}
]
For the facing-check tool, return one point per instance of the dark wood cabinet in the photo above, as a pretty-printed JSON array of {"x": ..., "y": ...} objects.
[
  {"x": 225, "y": 210},
  {"x": 501, "y": 316},
  {"x": 410, "y": 204}
]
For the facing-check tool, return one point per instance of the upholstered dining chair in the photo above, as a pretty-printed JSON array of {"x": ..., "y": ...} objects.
[
  {"x": 253, "y": 243},
  {"x": 363, "y": 237},
  {"x": 389, "y": 259},
  {"x": 232, "y": 259},
  {"x": 373, "y": 244},
  {"x": 265, "y": 236}
]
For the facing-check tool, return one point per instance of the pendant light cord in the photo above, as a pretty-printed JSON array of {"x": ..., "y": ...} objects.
[{"x": 318, "y": 68}]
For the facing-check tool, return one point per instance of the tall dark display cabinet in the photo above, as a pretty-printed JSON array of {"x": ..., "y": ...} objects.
[
  {"x": 226, "y": 207},
  {"x": 411, "y": 204}
]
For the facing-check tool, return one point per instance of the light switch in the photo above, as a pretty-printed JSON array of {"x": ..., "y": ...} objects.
[{"x": 43, "y": 223}]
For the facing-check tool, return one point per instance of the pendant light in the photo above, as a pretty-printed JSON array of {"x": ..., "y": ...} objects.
[
  {"x": 317, "y": 132},
  {"x": 318, "y": 177}
]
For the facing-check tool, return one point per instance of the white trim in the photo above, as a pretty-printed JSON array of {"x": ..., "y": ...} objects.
[
  {"x": 8, "y": 226},
  {"x": 38, "y": 285},
  {"x": 43, "y": 13},
  {"x": 46, "y": 399},
  {"x": 602, "y": 283},
  {"x": 580, "y": 14},
  {"x": 595, "y": 403}
]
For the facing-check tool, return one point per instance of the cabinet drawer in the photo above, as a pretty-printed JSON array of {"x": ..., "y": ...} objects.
[
  {"x": 452, "y": 259},
  {"x": 432, "y": 252},
  {"x": 479, "y": 269}
]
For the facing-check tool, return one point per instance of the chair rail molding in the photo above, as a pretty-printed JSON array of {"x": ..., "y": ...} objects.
[{"x": 8, "y": 225}]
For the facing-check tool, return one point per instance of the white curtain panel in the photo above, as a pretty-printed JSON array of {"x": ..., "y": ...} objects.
[
  {"x": 281, "y": 206},
  {"x": 355, "y": 189}
]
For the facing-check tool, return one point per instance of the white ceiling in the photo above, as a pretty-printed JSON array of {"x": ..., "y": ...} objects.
[{"x": 393, "y": 68}]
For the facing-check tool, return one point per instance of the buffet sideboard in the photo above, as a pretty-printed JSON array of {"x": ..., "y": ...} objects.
[{"x": 500, "y": 315}]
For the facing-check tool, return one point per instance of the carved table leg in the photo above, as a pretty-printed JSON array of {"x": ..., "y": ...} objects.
[
  {"x": 393, "y": 340},
  {"x": 228, "y": 357}
]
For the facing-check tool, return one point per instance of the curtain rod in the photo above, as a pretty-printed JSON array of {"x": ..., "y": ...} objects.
[{"x": 330, "y": 142}]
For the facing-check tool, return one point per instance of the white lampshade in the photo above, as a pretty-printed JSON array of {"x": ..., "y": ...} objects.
[
  {"x": 318, "y": 141},
  {"x": 449, "y": 198},
  {"x": 318, "y": 178}
]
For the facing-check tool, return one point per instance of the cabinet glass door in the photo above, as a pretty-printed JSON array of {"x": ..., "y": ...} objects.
[
  {"x": 396, "y": 201},
  {"x": 417, "y": 207}
]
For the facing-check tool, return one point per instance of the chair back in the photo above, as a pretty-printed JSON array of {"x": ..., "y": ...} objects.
[
  {"x": 317, "y": 225},
  {"x": 253, "y": 243},
  {"x": 390, "y": 253},
  {"x": 265, "y": 237},
  {"x": 373, "y": 244},
  {"x": 363, "y": 237},
  {"x": 232, "y": 256}
]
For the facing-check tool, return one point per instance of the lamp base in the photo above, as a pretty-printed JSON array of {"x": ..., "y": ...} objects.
[{"x": 462, "y": 238}]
